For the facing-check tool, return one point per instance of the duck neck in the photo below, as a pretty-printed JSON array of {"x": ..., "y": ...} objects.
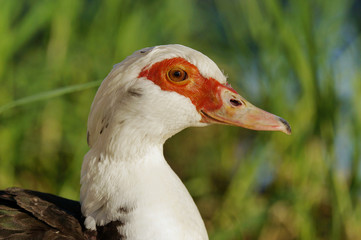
[{"x": 128, "y": 180}]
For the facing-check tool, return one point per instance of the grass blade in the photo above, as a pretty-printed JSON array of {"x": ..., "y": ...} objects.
[{"x": 48, "y": 95}]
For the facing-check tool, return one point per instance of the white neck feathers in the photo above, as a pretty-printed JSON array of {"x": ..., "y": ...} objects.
[{"x": 136, "y": 186}]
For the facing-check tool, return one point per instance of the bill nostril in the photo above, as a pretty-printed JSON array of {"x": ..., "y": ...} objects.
[{"x": 235, "y": 102}]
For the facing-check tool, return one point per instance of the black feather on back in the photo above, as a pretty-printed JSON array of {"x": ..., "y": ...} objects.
[{"x": 26, "y": 214}]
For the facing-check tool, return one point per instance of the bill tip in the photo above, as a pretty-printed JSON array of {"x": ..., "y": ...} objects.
[{"x": 287, "y": 128}]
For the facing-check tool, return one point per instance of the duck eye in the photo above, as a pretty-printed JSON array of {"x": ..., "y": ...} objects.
[{"x": 177, "y": 75}]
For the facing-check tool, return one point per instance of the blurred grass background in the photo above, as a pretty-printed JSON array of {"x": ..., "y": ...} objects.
[{"x": 298, "y": 59}]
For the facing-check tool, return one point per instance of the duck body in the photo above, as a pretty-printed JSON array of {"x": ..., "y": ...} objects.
[
  {"x": 26, "y": 214},
  {"x": 127, "y": 186}
]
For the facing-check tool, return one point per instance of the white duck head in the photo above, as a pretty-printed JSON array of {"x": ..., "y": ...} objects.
[{"x": 145, "y": 99}]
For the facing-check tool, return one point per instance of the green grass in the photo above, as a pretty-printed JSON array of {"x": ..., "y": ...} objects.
[{"x": 297, "y": 59}]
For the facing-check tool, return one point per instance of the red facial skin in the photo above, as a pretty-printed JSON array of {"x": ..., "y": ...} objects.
[
  {"x": 203, "y": 92},
  {"x": 216, "y": 102}
]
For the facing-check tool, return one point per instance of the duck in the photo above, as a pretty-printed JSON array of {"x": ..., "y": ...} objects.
[{"x": 128, "y": 190}]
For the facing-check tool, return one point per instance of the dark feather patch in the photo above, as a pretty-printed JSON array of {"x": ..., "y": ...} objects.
[
  {"x": 88, "y": 137},
  {"x": 110, "y": 231},
  {"x": 26, "y": 214},
  {"x": 135, "y": 92},
  {"x": 33, "y": 215},
  {"x": 125, "y": 210}
]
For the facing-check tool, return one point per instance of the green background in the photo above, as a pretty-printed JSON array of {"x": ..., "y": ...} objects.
[{"x": 300, "y": 60}]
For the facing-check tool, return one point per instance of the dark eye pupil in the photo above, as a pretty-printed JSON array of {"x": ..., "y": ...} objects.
[{"x": 177, "y": 74}]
